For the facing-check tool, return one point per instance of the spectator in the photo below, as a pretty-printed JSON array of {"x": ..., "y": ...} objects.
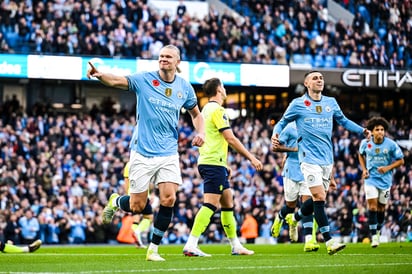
[
  {"x": 12, "y": 230},
  {"x": 29, "y": 227},
  {"x": 249, "y": 228}
]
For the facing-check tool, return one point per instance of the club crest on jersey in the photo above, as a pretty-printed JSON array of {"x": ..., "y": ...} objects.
[
  {"x": 319, "y": 109},
  {"x": 179, "y": 95},
  {"x": 328, "y": 109},
  {"x": 168, "y": 92}
]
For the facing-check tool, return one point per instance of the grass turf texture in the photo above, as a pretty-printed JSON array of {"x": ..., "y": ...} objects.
[{"x": 281, "y": 258}]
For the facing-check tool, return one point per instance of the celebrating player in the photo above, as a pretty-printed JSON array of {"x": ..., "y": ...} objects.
[
  {"x": 314, "y": 115},
  {"x": 294, "y": 186},
  {"x": 154, "y": 158},
  {"x": 378, "y": 157}
]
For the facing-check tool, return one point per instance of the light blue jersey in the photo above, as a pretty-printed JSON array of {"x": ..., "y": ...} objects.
[
  {"x": 159, "y": 104},
  {"x": 288, "y": 137},
  {"x": 314, "y": 122},
  {"x": 377, "y": 155}
]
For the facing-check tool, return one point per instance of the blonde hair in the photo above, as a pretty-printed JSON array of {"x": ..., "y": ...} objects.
[{"x": 173, "y": 47}]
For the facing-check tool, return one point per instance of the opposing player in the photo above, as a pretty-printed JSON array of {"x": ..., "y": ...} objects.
[
  {"x": 212, "y": 165},
  {"x": 294, "y": 187},
  {"x": 378, "y": 157},
  {"x": 11, "y": 248}
]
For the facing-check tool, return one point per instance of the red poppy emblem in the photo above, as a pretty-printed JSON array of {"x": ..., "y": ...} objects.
[
  {"x": 307, "y": 103},
  {"x": 369, "y": 146},
  {"x": 156, "y": 83}
]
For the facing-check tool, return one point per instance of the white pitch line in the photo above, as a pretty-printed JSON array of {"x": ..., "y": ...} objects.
[{"x": 218, "y": 268}]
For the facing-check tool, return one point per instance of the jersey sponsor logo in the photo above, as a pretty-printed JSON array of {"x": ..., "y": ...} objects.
[
  {"x": 168, "y": 92},
  {"x": 164, "y": 105}
]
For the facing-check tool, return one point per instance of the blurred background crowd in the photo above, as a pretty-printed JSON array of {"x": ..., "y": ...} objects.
[
  {"x": 57, "y": 171},
  {"x": 267, "y": 31}
]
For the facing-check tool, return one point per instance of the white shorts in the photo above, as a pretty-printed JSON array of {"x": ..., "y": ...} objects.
[
  {"x": 295, "y": 189},
  {"x": 144, "y": 170},
  {"x": 316, "y": 175},
  {"x": 372, "y": 192}
]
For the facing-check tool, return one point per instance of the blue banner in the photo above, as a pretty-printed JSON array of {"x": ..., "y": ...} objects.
[
  {"x": 116, "y": 66},
  {"x": 228, "y": 73},
  {"x": 75, "y": 68},
  {"x": 13, "y": 65}
]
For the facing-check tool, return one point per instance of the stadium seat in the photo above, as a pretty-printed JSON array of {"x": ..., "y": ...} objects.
[
  {"x": 341, "y": 60},
  {"x": 297, "y": 59},
  {"x": 382, "y": 32},
  {"x": 330, "y": 61},
  {"x": 318, "y": 62},
  {"x": 12, "y": 39},
  {"x": 308, "y": 59}
]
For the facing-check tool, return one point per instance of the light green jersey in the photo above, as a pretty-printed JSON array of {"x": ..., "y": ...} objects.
[{"x": 214, "y": 150}]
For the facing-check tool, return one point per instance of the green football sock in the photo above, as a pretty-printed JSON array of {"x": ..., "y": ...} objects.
[
  {"x": 229, "y": 226},
  {"x": 228, "y": 222},
  {"x": 13, "y": 249},
  {"x": 314, "y": 230},
  {"x": 202, "y": 220},
  {"x": 143, "y": 225}
]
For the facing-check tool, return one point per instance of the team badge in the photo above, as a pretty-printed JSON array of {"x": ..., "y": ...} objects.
[
  {"x": 328, "y": 109},
  {"x": 319, "y": 109},
  {"x": 377, "y": 150},
  {"x": 179, "y": 95},
  {"x": 311, "y": 179},
  {"x": 168, "y": 92},
  {"x": 132, "y": 183}
]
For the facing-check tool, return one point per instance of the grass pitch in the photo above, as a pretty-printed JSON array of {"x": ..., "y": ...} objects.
[{"x": 281, "y": 258}]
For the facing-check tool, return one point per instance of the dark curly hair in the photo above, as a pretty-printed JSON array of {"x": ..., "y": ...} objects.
[{"x": 377, "y": 121}]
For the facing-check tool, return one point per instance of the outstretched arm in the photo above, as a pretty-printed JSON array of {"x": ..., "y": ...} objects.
[{"x": 108, "y": 79}]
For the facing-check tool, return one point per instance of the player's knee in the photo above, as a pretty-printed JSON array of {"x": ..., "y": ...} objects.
[
  {"x": 137, "y": 207},
  {"x": 168, "y": 200}
]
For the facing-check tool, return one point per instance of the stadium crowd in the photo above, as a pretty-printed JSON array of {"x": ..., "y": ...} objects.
[
  {"x": 271, "y": 32},
  {"x": 57, "y": 172}
]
